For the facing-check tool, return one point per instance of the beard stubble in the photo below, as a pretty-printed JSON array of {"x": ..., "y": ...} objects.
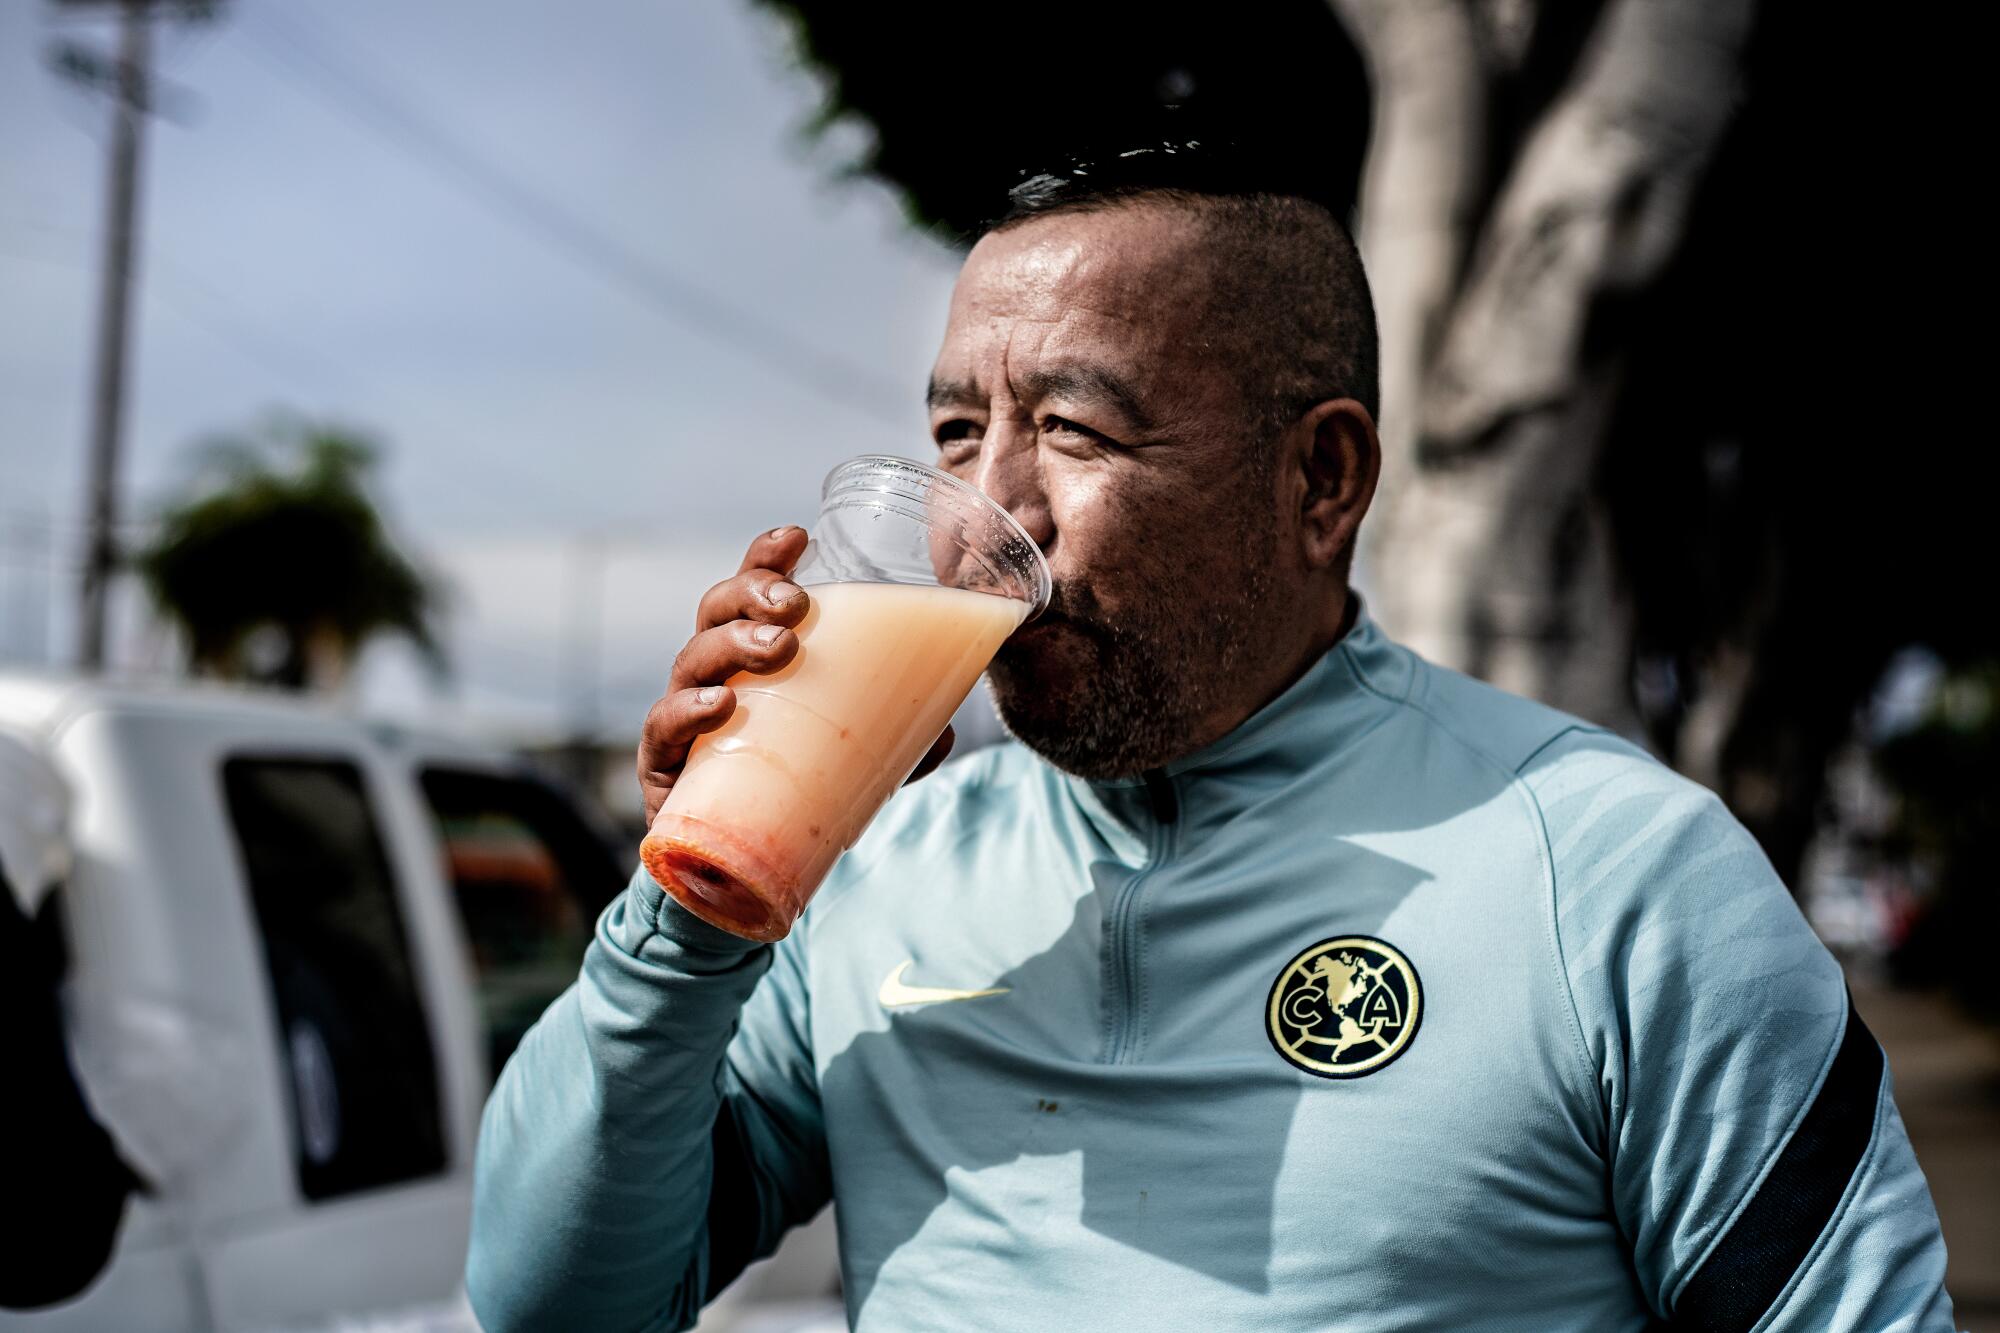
[{"x": 1109, "y": 695}]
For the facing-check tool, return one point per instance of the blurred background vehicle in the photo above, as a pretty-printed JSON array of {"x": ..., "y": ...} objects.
[{"x": 295, "y": 948}]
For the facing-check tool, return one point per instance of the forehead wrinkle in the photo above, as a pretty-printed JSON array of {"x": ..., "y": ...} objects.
[
  {"x": 950, "y": 391},
  {"x": 1094, "y": 262},
  {"x": 1091, "y": 292}
]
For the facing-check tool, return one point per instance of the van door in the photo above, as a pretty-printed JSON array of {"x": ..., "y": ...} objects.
[
  {"x": 380, "y": 1213},
  {"x": 272, "y": 1001},
  {"x": 529, "y": 876}
]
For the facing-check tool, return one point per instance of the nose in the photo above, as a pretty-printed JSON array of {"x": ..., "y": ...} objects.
[{"x": 1010, "y": 473}]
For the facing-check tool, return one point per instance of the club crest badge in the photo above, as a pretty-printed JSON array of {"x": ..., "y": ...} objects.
[{"x": 1345, "y": 1007}]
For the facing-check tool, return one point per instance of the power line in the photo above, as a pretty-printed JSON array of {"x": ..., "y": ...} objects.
[
  {"x": 511, "y": 199},
  {"x": 203, "y": 304}
]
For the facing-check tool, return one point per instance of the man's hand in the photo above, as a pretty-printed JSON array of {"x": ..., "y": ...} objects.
[{"x": 744, "y": 624}]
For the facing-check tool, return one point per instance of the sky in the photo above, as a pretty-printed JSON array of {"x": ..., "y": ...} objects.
[{"x": 578, "y": 269}]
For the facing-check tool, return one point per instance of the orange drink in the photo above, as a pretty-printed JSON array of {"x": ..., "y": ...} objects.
[{"x": 766, "y": 804}]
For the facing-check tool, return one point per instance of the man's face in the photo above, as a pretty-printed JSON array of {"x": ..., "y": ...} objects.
[{"x": 1077, "y": 387}]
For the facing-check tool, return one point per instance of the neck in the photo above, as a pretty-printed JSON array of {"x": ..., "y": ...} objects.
[{"x": 1330, "y": 626}]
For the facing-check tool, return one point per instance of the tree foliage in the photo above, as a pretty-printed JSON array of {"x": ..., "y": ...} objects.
[
  {"x": 961, "y": 100},
  {"x": 276, "y": 567}
]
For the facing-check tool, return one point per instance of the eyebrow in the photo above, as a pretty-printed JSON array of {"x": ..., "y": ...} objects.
[
  {"x": 1083, "y": 382},
  {"x": 951, "y": 393}
]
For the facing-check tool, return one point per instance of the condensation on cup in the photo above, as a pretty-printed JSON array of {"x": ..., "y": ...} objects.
[{"x": 915, "y": 580}]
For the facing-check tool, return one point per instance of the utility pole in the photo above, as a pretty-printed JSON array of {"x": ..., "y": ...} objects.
[{"x": 131, "y": 97}]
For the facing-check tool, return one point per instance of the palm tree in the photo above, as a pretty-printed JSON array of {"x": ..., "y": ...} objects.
[{"x": 276, "y": 567}]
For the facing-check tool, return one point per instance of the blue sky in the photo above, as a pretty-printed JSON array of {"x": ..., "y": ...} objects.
[{"x": 550, "y": 426}]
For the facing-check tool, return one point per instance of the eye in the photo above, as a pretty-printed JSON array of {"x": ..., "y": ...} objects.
[
  {"x": 1064, "y": 426},
  {"x": 960, "y": 429}
]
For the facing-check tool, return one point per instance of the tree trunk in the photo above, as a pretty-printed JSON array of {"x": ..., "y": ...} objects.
[{"x": 1489, "y": 549}]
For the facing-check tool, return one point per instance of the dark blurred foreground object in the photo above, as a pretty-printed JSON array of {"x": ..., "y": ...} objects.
[
  {"x": 66, "y": 1185},
  {"x": 1668, "y": 431},
  {"x": 278, "y": 570}
]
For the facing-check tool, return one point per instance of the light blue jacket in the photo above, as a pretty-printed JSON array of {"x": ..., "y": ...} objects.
[{"x": 1408, "y": 1004}]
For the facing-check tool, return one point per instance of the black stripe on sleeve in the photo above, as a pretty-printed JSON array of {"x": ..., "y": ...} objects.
[{"x": 1771, "y": 1237}]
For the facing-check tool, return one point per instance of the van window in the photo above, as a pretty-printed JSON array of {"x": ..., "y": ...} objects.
[
  {"x": 352, "y": 1030},
  {"x": 529, "y": 876}
]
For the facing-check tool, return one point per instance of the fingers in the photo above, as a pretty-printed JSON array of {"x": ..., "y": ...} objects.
[
  {"x": 940, "y": 750},
  {"x": 759, "y": 590},
  {"x": 697, "y": 700},
  {"x": 758, "y": 594},
  {"x": 777, "y": 549},
  {"x": 714, "y": 655},
  {"x": 743, "y": 624},
  {"x": 672, "y": 724}
]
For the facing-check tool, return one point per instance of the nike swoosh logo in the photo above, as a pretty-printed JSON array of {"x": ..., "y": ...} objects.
[{"x": 895, "y": 994}]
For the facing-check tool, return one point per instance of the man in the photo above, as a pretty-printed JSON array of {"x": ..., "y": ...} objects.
[{"x": 1274, "y": 979}]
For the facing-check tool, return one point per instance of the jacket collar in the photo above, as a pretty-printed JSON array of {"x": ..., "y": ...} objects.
[{"x": 1341, "y": 696}]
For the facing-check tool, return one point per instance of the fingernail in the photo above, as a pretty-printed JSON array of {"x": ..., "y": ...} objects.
[
  {"x": 781, "y": 530},
  {"x": 780, "y": 593},
  {"x": 767, "y": 634},
  {"x": 708, "y": 694}
]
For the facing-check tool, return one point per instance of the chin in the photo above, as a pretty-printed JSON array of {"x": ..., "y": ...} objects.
[
  {"x": 1044, "y": 663},
  {"x": 1048, "y": 692}
]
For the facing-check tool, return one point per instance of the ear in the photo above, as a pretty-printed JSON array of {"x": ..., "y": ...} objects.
[{"x": 1339, "y": 459}]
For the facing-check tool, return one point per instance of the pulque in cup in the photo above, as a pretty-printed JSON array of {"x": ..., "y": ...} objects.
[{"x": 915, "y": 578}]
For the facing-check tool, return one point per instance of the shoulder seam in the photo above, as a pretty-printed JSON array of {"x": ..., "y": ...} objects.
[
  {"x": 1544, "y": 850},
  {"x": 1586, "y": 728},
  {"x": 1592, "y": 1076},
  {"x": 1360, "y": 674},
  {"x": 1420, "y": 676}
]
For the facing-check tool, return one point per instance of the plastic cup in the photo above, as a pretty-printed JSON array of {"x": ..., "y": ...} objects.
[{"x": 915, "y": 580}]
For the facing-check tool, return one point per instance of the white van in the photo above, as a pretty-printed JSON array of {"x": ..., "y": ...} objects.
[{"x": 298, "y": 945}]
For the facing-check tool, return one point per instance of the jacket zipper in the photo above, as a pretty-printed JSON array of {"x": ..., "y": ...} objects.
[{"x": 1121, "y": 1045}]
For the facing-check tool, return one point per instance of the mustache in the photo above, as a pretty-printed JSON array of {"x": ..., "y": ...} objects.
[
  {"x": 1073, "y": 603},
  {"x": 1074, "y": 607}
]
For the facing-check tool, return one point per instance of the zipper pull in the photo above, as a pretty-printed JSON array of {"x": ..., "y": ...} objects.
[{"x": 1160, "y": 790}]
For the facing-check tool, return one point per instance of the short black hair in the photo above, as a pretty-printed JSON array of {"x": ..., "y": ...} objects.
[{"x": 1293, "y": 298}]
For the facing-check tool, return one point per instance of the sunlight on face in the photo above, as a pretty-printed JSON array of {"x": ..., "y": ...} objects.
[{"x": 1076, "y": 387}]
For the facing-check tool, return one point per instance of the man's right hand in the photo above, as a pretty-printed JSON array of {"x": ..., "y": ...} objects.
[{"x": 744, "y": 624}]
